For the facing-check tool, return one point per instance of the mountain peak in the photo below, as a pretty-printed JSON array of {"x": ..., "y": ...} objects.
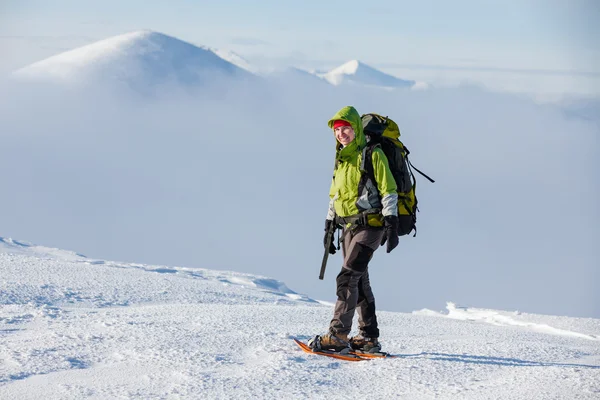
[
  {"x": 357, "y": 72},
  {"x": 351, "y": 66},
  {"x": 143, "y": 57}
]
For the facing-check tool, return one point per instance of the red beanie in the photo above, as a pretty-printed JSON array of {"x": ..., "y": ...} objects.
[{"x": 339, "y": 123}]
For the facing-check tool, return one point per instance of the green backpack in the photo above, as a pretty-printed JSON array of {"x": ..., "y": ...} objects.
[{"x": 384, "y": 133}]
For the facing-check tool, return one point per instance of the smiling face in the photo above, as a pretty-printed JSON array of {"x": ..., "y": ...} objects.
[{"x": 344, "y": 135}]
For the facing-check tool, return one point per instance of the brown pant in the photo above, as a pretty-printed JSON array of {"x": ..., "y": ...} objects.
[{"x": 353, "y": 286}]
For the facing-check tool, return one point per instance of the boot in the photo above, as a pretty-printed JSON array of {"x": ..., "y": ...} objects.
[
  {"x": 331, "y": 341},
  {"x": 366, "y": 344}
]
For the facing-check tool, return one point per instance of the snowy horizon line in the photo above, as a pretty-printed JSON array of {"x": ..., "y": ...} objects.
[{"x": 452, "y": 309}]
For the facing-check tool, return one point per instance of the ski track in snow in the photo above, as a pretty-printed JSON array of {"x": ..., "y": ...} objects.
[{"x": 73, "y": 327}]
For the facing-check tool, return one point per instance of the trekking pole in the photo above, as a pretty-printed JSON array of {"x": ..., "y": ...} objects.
[{"x": 330, "y": 234}]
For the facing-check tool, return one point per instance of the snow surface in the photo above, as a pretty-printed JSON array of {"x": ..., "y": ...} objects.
[
  {"x": 235, "y": 59},
  {"x": 356, "y": 72},
  {"x": 73, "y": 327},
  {"x": 136, "y": 58}
]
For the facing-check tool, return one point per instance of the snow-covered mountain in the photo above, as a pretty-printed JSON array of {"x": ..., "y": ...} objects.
[
  {"x": 143, "y": 59},
  {"x": 356, "y": 72},
  {"x": 138, "y": 59},
  {"x": 73, "y": 327},
  {"x": 235, "y": 59}
]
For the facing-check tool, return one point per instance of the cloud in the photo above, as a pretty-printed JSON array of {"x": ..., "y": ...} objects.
[
  {"x": 552, "y": 72},
  {"x": 236, "y": 177},
  {"x": 248, "y": 41}
]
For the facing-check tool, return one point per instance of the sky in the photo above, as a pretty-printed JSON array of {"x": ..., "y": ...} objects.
[{"x": 546, "y": 48}]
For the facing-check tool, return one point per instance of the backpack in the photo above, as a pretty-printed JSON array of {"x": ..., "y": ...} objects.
[{"x": 384, "y": 133}]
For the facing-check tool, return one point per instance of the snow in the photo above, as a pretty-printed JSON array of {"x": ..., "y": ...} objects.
[
  {"x": 139, "y": 58},
  {"x": 420, "y": 85},
  {"x": 356, "y": 72},
  {"x": 73, "y": 327},
  {"x": 235, "y": 59},
  {"x": 503, "y": 318}
]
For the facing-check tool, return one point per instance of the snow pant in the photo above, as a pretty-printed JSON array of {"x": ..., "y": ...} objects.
[{"x": 353, "y": 286}]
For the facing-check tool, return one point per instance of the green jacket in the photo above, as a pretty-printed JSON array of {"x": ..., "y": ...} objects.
[{"x": 344, "y": 195}]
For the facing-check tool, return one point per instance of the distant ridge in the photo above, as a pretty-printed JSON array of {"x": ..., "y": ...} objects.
[
  {"x": 298, "y": 75},
  {"x": 357, "y": 72},
  {"x": 144, "y": 59}
]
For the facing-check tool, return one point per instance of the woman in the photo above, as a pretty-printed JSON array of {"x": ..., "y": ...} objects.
[{"x": 367, "y": 211}]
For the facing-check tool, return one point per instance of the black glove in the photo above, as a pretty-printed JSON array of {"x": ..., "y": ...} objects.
[
  {"x": 332, "y": 248},
  {"x": 390, "y": 223}
]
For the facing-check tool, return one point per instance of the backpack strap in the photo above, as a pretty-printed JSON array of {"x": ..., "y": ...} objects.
[
  {"x": 419, "y": 171},
  {"x": 415, "y": 168},
  {"x": 366, "y": 167}
]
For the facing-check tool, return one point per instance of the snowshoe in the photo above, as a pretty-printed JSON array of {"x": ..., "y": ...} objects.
[
  {"x": 365, "y": 344},
  {"x": 330, "y": 341}
]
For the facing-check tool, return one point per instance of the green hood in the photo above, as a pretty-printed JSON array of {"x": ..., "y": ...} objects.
[{"x": 349, "y": 114}]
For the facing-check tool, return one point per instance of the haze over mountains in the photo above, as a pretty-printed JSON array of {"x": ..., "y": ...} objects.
[{"x": 145, "y": 58}]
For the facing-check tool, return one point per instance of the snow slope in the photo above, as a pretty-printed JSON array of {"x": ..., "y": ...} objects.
[
  {"x": 356, "y": 72},
  {"x": 73, "y": 328},
  {"x": 138, "y": 59},
  {"x": 235, "y": 59}
]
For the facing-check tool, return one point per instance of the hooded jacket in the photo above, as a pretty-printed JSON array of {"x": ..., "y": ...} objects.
[{"x": 345, "y": 199}]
